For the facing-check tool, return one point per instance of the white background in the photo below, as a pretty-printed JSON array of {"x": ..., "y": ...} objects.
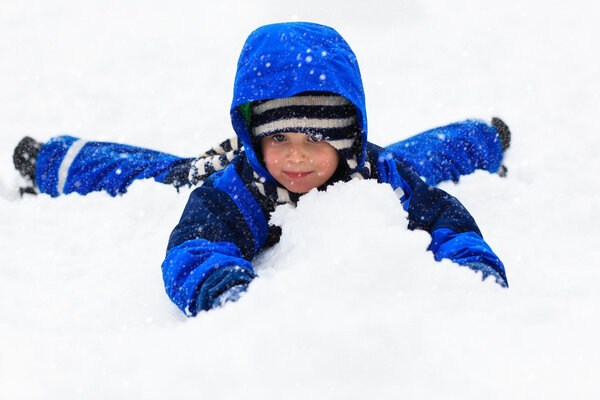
[{"x": 349, "y": 304}]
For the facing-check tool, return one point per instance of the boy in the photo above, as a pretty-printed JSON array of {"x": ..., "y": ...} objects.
[{"x": 299, "y": 114}]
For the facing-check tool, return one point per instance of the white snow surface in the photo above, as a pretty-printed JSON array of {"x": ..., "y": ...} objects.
[{"x": 349, "y": 304}]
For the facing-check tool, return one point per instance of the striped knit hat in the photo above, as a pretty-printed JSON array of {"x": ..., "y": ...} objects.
[{"x": 314, "y": 113}]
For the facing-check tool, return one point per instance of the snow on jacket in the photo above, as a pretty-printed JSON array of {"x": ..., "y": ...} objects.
[{"x": 226, "y": 221}]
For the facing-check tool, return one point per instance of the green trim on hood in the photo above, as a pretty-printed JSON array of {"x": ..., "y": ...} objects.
[{"x": 246, "y": 113}]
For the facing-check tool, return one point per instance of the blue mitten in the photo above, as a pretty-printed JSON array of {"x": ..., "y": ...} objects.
[{"x": 222, "y": 285}]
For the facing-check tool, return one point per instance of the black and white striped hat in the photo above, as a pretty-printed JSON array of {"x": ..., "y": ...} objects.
[{"x": 314, "y": 113}]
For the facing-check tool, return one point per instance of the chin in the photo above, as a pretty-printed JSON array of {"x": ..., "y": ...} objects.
[{"x": 299, "y": 190}]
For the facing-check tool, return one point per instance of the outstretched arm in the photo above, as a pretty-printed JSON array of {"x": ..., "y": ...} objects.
[
  {"x": 210, "y": 249},
  {"x": 454, "y": 233}
]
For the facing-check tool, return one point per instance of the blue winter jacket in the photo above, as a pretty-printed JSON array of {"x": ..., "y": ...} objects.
[{"x": 225, "y": 223}]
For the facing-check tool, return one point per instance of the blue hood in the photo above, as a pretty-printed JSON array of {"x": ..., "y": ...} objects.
[{"x": 281, "y": 60}]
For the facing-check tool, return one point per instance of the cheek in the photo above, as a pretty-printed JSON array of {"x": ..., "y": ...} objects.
[
  {"x": 270, "y": 156},
  {"x": 328, "y": 161}
]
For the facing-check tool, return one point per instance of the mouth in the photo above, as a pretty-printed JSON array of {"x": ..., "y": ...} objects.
[{"x": 296, "y": 174}]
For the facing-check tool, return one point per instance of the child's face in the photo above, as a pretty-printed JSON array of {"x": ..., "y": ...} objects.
[{"x": 299, "y": 162}]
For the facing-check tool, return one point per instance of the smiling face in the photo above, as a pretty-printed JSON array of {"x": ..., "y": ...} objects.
[{"x": 299, "y": 162}]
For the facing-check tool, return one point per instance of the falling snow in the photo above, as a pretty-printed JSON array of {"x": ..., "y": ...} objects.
[{"x": 349, "y": 304}]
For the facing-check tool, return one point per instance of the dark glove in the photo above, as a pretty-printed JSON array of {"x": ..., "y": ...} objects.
[
  {"x": 222, "y": 285},
  {"x": 486, "y": 271},
  {"x": 232, "y": 294}
]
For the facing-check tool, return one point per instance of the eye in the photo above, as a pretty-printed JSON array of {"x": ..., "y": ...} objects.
[
  {"x": 278, "y": 137},
  {"x": 317, "y": 137}
]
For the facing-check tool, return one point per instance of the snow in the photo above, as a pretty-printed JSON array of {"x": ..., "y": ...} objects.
[{"x": 349, "y": 304}]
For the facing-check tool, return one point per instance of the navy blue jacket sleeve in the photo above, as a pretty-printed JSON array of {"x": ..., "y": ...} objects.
[
  {"x": 431, "y": 208},
  {"x": 211, "y": 214}
]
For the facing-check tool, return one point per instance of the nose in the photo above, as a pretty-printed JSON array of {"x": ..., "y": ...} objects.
[{"x": 296, "y": 152}]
